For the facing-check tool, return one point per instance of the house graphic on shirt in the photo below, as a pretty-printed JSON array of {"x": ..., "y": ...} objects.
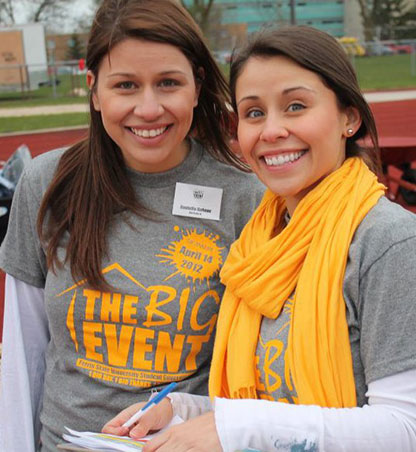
[{"x": 110, "y": 302}]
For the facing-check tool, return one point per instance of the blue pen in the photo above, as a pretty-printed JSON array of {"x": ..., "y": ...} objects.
[{"x": 155, "y": 400}]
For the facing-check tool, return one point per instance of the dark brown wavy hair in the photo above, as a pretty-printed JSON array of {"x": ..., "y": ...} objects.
[
  {"x": 90, "y": 183},
  {"x": 320, "y": 53}
]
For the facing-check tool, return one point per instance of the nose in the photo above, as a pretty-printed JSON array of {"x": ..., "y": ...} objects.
[
  {"x": 273, "y": 129},
  {"x": 148, "y": 106}
]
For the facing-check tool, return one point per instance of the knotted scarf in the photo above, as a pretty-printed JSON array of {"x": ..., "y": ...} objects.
[{"x": 309, "y": 257}]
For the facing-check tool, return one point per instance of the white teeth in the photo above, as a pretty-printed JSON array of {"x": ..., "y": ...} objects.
[
  {"x": 146, "y": 133},
  {"x": 283, "y": 158}
]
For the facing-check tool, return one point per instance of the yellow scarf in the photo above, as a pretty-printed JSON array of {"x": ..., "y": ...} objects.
[{"x": 309, "y": 255}]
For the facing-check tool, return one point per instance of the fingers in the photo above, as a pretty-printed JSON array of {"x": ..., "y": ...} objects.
[
  {"x": 115, "y": 425},
  {"x": 198, "y": 434},
  {"x": 157, "y": 442},
  {"x": 113, "y": 430},
  {"x": 155, "y": 419},
  {"x": 144, "y": 425}
]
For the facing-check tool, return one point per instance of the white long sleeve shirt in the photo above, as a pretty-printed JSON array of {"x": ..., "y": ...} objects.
[
  {"x": 25, "y": 338},
  {"x": 386, "y": 424}
]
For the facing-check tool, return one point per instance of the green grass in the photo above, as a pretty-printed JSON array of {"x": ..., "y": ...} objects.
[
  {"x": 379, "y": 72},
  {"x": 27, "y": 123},
  {"x": 44, "y": 95},
  {"x": 385, "y": 72}
]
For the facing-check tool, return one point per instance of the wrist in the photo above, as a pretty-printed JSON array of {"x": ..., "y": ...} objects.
[{"x": 171, "y": 399}]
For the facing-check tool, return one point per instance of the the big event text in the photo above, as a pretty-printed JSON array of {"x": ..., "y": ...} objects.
[{"x": 153, "y": 349}]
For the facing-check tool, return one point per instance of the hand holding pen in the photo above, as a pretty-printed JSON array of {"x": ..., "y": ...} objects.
[
  {"x": 152, "y": 402},
  {"x": 158, "y": 411}
]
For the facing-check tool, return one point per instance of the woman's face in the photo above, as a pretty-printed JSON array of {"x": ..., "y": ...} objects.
[
  {"x": 146, "y": 93},
  {"x": 291, "y": 131}
]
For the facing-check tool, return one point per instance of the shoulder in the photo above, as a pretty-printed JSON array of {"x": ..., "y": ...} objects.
[
  {"x": 388, "y": 221},
  {"x": 40, "y": 170},
  {"x": 386, "y": 225},
  {"x": 46, "y": 162}
]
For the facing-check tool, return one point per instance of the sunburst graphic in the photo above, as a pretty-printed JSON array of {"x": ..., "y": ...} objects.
[{"x": 196, "y": 256}]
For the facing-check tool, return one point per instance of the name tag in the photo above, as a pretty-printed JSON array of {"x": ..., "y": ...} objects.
[{"x": 197, "y": 201}]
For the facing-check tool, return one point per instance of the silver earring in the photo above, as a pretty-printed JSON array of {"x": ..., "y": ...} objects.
[{"x": 350, "y": 132}]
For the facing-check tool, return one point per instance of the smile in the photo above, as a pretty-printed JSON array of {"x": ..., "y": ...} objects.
[
  {"x": 148, "y": 133},
  {"x": 280, "y": 160}
]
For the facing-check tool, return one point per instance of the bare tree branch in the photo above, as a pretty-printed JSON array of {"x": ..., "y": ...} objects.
[
  {"x": 6, "y": 12},
  {"x": 382, "y": 16},
  {"x": 46, "y": 10},
  {"x": 200, "y": 11}
]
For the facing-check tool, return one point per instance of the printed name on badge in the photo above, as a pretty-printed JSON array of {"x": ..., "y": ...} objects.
[{"x": 197, "y": 201}]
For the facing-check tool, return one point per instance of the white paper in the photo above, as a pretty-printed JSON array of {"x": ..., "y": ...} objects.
[{"x": 91, "y": 440}]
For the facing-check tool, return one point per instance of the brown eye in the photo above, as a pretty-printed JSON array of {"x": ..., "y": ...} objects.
[
  {"x": 169, "y": 83},
  {"x": 125, "y": 85}
]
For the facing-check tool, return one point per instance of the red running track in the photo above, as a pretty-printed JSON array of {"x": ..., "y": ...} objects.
[
  {"x": 39, "y": 142},
  {"x": 394, "y": 120}
]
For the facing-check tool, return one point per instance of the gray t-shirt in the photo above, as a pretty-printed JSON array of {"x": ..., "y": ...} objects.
[
  {"x": 108, "y": 348},
  {"x": 380, "y": 297}
]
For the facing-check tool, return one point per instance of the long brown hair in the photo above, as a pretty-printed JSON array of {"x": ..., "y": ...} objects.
[
  {"x": 320, "y": 53},
  {"x": 90, "y": 183}
]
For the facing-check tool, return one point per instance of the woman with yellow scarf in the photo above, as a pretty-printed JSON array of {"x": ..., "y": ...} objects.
[{"x": 316, "y": 335}]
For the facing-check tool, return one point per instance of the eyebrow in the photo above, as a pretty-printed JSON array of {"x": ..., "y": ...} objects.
[
  {"x": 284, "y": 92},
  {"x": 295, "y": 88},
  {"x": 132, "y": 74}
]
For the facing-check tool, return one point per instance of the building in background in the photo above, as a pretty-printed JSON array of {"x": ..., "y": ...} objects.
[
  {"x": 65, "y": 45},
  {"x": 23, "y": 58},
  {"x": 327, "y": 15},
  {"x": 231, "y": 20},
  {"x": 353, "y": 24}
]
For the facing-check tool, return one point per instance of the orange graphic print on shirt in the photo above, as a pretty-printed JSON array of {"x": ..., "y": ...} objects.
[
  {"x": 148, "y": 335},
  {"x": 273, "y": 380},
  {"x": 195, "y": 256}
]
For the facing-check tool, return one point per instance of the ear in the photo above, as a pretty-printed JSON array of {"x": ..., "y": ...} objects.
[
  {"x": 91, "y": 85},
  {"x": 199, "y": 79},
  {"x": 235, "y": 148},
  {"x": 353, "y": 121}
]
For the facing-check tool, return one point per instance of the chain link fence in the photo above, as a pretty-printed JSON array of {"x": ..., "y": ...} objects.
[{"x": 61, "y": 79}]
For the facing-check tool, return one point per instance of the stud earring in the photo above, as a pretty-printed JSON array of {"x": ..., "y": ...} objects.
[{"x": 350, "y": 132}]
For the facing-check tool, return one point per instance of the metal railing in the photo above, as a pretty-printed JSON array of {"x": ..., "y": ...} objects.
[{"x": 61, "y": 79}]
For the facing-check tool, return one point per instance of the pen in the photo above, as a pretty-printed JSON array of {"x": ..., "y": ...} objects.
[{"x": 155, "y": 400}]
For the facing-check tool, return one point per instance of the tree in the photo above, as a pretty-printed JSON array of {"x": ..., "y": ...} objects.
[
  {"x": 382, "y": 17},
  {"x": 406, "y": 25},
  {"x": 6, "y": 12},
  {"x": 51, "y": 12},
  {"x": 45, "y": 10},
  {"x": 200, "y": 11},
  {"x": 75, "y": 48}
]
